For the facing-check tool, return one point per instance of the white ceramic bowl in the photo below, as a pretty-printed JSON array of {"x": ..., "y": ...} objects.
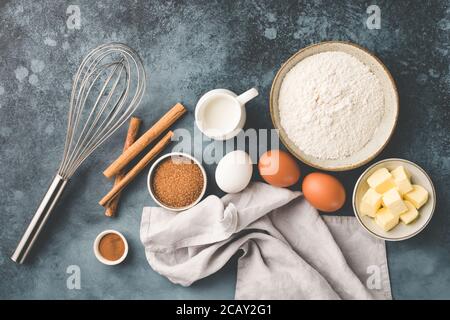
[
  {"x": 388, "y": 122},
  {"x": 97, "y": 252},
  {"x": 401, "y": 231},
  {"x": 157, "y": 162}
]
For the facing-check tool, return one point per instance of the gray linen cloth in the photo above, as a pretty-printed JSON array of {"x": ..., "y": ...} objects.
[{"x": 289, "y": 251}]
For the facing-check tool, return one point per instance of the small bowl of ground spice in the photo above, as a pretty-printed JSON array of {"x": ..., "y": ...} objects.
[
  {"x": 110, "y": 247},
  {"x": 177, "y": 181}
]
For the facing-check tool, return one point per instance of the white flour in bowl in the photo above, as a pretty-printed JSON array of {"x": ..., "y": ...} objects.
[{"x": 330, "y": 105}]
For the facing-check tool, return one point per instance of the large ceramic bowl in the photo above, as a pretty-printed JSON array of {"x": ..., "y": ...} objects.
[
  {"x": 401, "y": 231},
  {"x": 388, "y": 122}
]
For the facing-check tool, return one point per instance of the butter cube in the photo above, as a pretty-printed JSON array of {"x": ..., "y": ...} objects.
[
  {"x": 394, "y": 202},
  {"x": 370, "y": 203},
  {"x": 386, "y": 219},
  {"x": 401, "y": 180},
  {"x": 400, "y": 171},
  {"x": 381, "y": 180},
  {"x": 410, "y": 215},
  {"x": 418, "y": 196}
]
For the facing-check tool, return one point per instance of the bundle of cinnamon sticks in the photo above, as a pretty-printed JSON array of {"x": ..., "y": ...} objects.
[{"x": 132, "y": 148}]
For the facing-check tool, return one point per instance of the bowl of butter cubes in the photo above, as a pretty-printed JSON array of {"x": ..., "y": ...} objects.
[{"x": 394, "y": 199}]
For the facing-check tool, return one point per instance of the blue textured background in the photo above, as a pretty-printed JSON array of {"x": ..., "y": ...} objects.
[{"x": 190, "y": 47}]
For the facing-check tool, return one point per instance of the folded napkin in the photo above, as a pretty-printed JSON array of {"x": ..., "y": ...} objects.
[{"x": 289, "y": 251}]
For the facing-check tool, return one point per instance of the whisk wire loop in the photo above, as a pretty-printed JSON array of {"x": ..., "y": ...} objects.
[{"x": 111, "y": 80}]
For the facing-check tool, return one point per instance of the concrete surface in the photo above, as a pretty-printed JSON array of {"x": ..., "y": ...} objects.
[{"x": 190, "y": 47}]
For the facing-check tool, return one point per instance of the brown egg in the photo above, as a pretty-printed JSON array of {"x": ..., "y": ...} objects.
[
  {"x": 323, "y": 191},
  {"x": 279, "y": 168}
]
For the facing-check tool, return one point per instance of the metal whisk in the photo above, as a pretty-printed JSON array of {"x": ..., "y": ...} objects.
[{"x": 106, "y": 90}]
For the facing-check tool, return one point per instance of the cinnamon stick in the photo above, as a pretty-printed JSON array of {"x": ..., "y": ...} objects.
[
  {"x": 133, "y": 130},
  {"x": 137, "y": 168},
  {"x": 159, "y": 127}
]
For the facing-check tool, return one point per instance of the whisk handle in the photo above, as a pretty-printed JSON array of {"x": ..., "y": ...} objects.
[{"x": 40, "y": 217}]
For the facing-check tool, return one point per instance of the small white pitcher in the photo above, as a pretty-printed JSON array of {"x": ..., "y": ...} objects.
[{"x": 220, "y": 113}]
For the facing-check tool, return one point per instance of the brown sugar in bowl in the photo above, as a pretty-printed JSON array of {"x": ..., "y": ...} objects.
[{"x": 177, "y": 181}]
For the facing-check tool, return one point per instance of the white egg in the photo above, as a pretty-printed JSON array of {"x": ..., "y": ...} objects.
[{"x": 234, "y": 171}]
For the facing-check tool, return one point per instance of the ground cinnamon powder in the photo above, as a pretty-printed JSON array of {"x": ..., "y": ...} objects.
[
  {"x": 177, "y": 182},
  {"x": 111, "y": 247}
]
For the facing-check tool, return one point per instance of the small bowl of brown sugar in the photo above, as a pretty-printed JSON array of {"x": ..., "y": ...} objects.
[{"x": 177, "y": 181}]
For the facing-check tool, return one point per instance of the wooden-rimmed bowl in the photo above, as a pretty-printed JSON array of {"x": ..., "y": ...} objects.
[{"x": 382, "y": 134}]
